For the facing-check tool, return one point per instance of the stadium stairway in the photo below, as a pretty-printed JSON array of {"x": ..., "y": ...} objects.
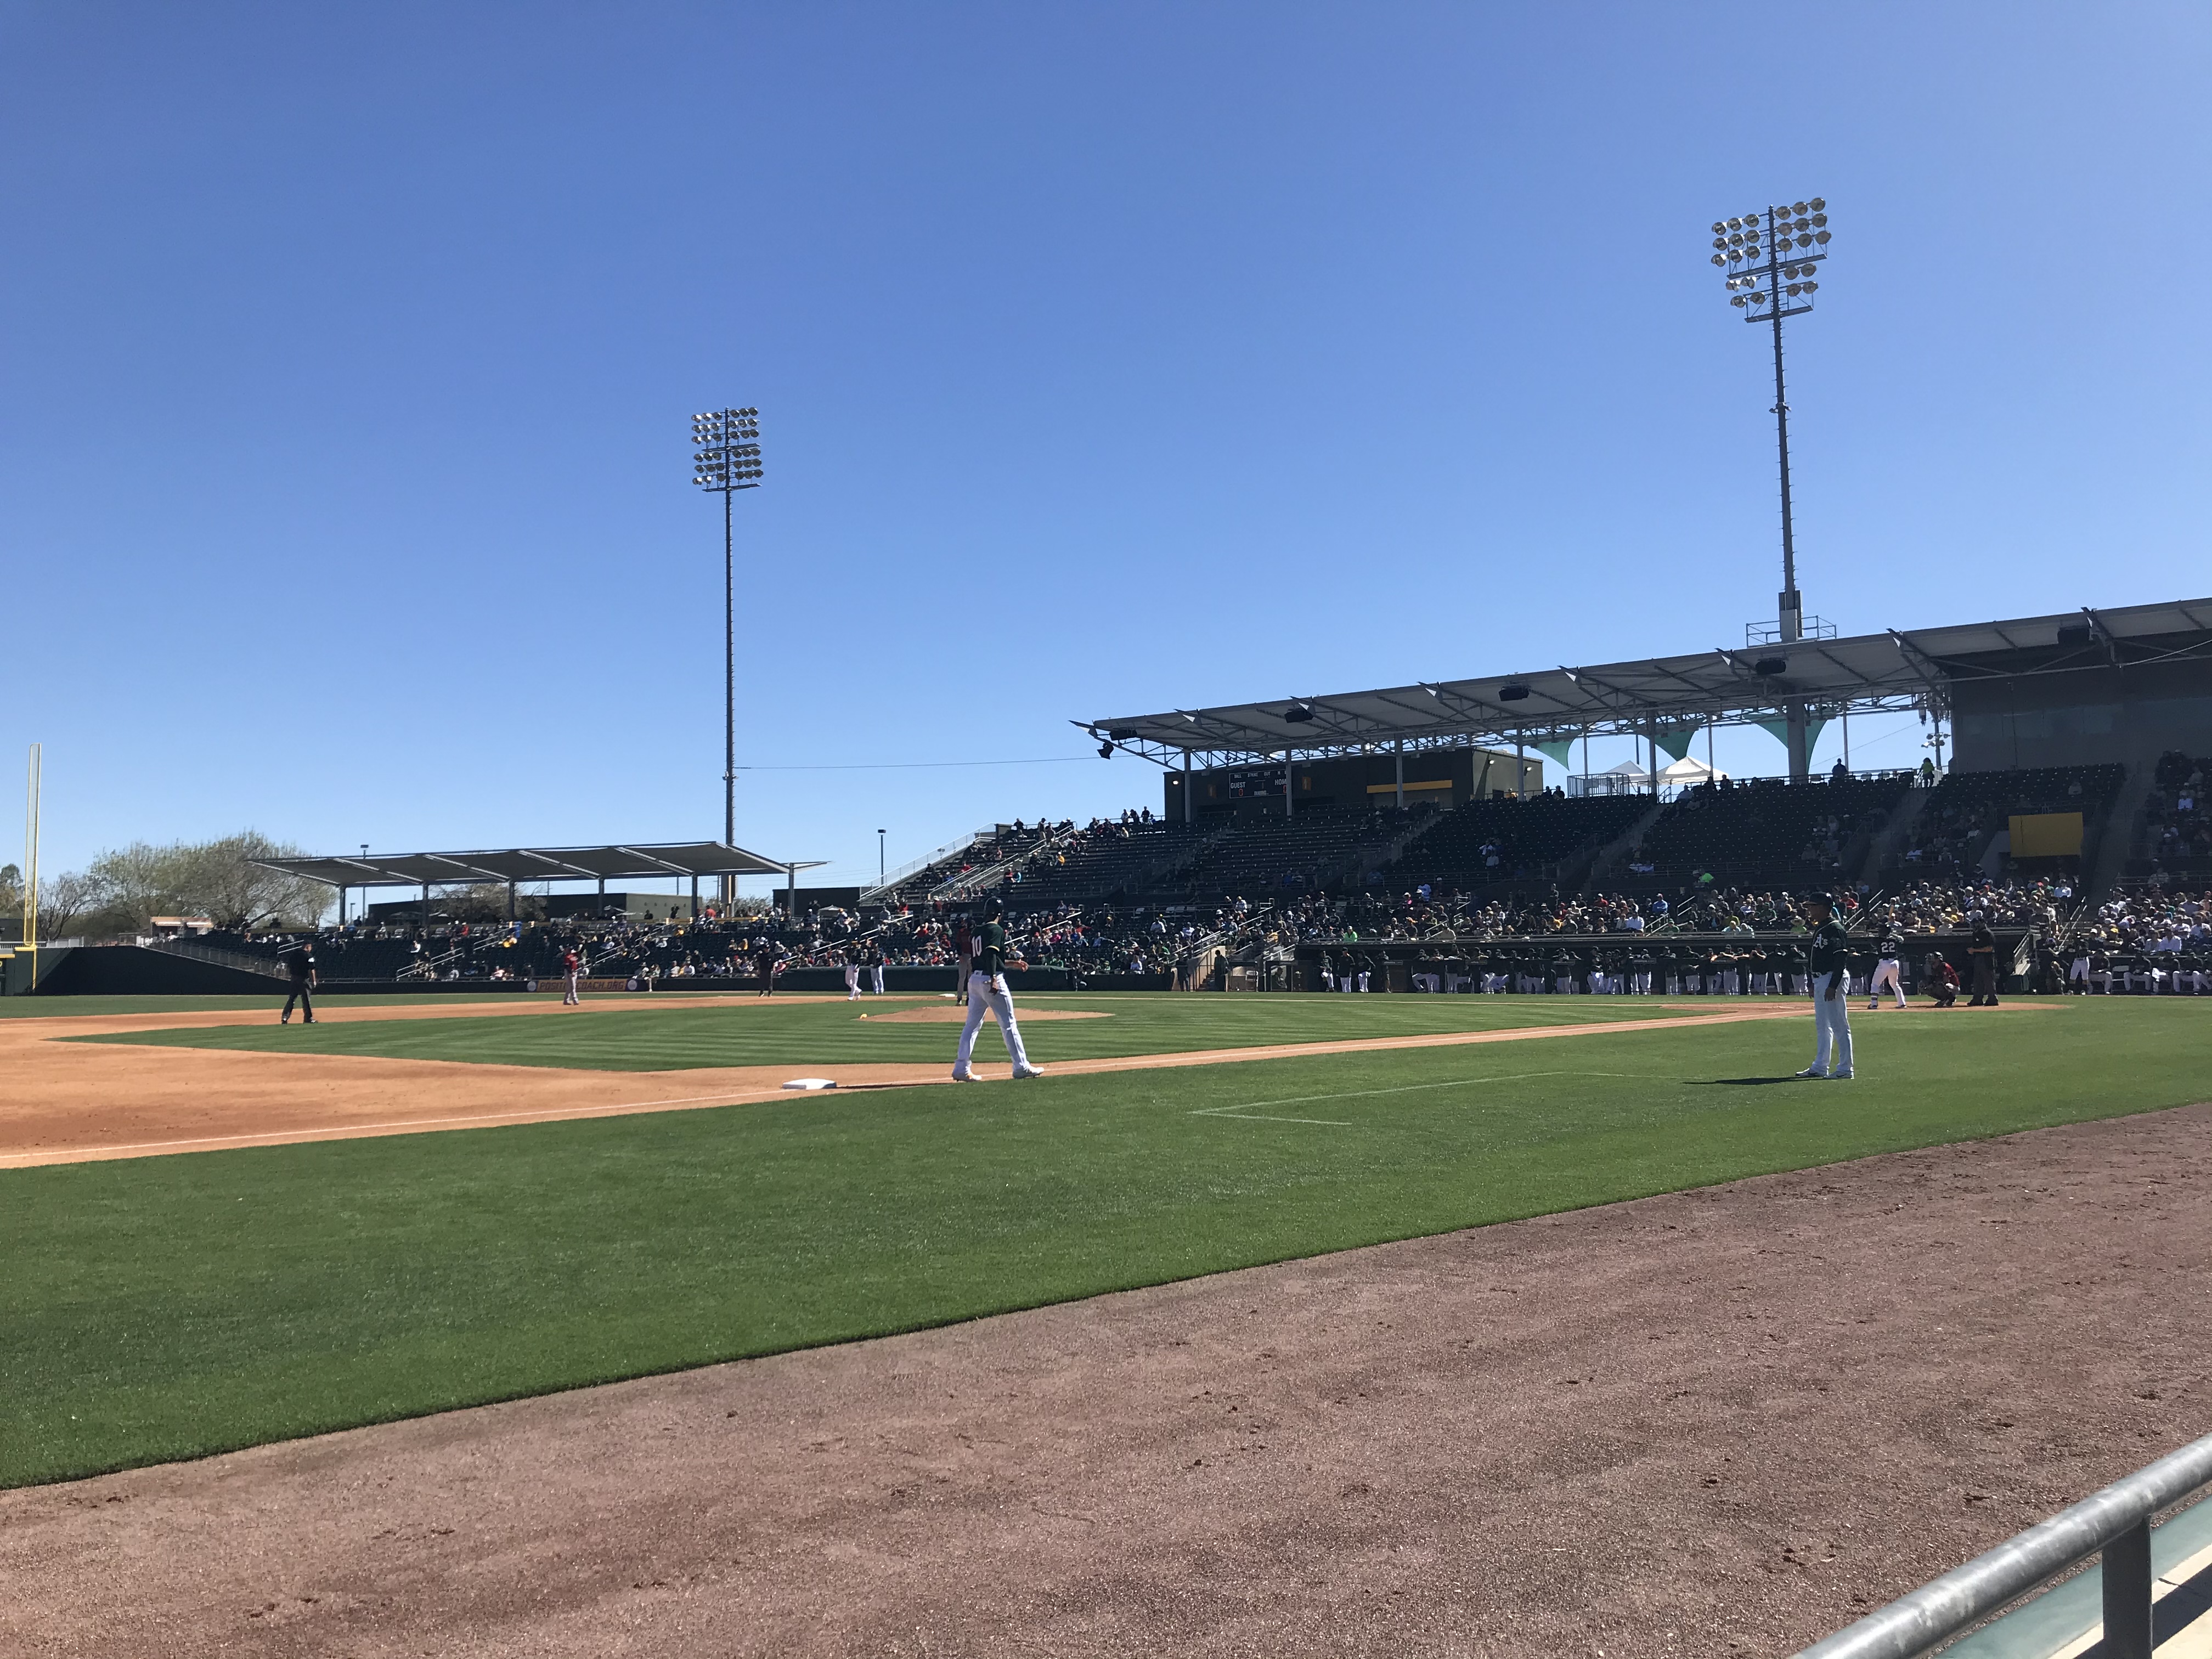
[
  {"x": 1614, "y": 853},
  {"x": 1888, "y": 847},
  {"x": 2116, "y": 833}
]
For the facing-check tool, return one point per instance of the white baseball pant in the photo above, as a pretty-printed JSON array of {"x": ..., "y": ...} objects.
[
  {"x": 986, "y": 994},
  {"x": 1831, "y": 1024},
  {"x": 1886, "y": 973}
]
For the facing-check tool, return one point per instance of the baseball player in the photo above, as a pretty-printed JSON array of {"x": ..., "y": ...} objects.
[
  {"x": 1886, "y": 953},
  {"x": 852, "y": 976},
  {"x": 988, "y": 994},
  {"x": 2077, "y": 971},
  {"x": 876, "y": 968},
  {"x": 572, "y": 965},
  {"x": 1829, "y": 959}
]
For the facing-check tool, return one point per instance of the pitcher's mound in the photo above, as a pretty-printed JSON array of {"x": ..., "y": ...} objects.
[{"x": 957, "y": 1014}]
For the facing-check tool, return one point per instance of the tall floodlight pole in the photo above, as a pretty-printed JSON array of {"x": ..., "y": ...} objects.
[
  {"x": 1771, "y": 259},
  {"x": 729, "y": 459}
]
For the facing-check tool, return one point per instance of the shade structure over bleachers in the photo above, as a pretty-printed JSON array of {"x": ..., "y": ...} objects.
[
  {"x": 1663, "y": 698},
  {"x": 635, "y": 862}
]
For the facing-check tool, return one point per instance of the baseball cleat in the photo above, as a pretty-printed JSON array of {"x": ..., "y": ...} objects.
[
  {"x": 1029, "y": 1071},
  {"x": 1812, "y": 1071},
  {"x": 1841, "y": 1077},
  {"x": 963, "y": 1077}
]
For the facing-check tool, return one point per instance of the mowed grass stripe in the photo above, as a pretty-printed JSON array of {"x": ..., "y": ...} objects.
[
  {"x": 173, "y": 1307},
  {"x": 821, "y": 1035}
]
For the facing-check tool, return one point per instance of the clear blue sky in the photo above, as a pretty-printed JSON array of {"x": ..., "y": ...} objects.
[{"x": 1110, "y": 358}]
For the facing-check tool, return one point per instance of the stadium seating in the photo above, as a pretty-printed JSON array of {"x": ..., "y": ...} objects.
[
  {"x": 1105, "y": 860},
  {"x": 1503, "y": 838},
  {"x": 1968, "y": 808},
  {"x": 2175, "y": 834},
  {"x": 1770, "y": 832},
  {"x": 1263, "y": 857}
]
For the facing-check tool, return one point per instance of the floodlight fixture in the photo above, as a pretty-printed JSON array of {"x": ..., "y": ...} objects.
[
  {"x": 727, "y": 458},
  {"x": 1770, "y": 263}
]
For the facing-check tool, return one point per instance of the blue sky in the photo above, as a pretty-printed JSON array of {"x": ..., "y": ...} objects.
[{"x": 1110, "y": 359}]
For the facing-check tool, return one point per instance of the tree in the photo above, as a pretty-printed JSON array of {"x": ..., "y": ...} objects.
[
  {"x": 62, "y": 900},
  {"x": 217, "y": 879}
]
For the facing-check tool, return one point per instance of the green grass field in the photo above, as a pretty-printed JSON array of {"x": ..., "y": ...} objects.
[
  {"x": 171, "y": 1307},
  {"x": 747, "y": 1032}
]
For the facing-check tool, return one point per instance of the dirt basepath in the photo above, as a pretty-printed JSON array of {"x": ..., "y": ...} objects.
[
  {"x": 1715, "y": 1423},
  {"x": 68, "y": 1103}
]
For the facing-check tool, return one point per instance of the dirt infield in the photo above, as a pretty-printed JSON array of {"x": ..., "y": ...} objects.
[
  {"x": 72, "y": 1102},
  {"x": 1721, "y": 1422}
]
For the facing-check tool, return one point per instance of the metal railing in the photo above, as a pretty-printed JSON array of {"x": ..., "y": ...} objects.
[
  {"x": 2116, "y": 1521},
  {"x": 267, "y": 966},
  {"x": 907, "y": 872}
]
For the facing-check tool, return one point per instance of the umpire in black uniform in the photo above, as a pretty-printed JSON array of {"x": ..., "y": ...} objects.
[
  {"x": 1982, "y": 951},
  {"x": 299, "y": 962}
]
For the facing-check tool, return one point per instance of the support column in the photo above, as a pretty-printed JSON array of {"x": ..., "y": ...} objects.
[
  {"x": 695, "y": 897},
  {"x": 426, "y": 905},
  {"x": 1521, "y": 764},
  {"x": 1189, "y": 786},
  {"x": 791, "y": 893},
  {"x": 510, "y": 901},
  {"x": 342, "y": 898},
  {"x": 1289, "y": 784},
  {"x": 1401, "y": 758}
]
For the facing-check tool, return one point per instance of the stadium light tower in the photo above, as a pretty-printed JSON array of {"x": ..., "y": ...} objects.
[
  {"x": 727, "y": 459},
  {"x": 1771, "y": 261}
]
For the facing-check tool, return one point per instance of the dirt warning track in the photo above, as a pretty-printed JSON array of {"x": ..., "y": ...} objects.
[{"x": 70, "y": 1103}]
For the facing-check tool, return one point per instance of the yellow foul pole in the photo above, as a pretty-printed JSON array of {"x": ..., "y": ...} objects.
[{"x": 31, "y": 869}]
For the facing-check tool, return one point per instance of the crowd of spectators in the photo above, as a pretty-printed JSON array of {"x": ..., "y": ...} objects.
[{"x": 2177, "y": 818}]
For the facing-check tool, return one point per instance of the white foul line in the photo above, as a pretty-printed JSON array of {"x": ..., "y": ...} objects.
[{"x": 1245, "y": 1111}]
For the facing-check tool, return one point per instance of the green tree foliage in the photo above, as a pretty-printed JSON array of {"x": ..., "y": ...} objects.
[{"x": 217, "y": 879}]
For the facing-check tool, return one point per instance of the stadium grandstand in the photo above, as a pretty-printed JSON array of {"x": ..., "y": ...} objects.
[{"x": 1412, "y": 826}]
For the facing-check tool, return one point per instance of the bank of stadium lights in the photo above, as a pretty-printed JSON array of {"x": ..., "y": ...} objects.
[
  {"x": 729, "y": 453},
  {"x": 1776, "y": 253},
  {"x": 1771, "y": 263},
  {"x": 727, "y": 459}
]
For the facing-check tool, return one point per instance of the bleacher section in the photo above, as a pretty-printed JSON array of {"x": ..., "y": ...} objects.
[
  {"x": 1267, "y": 857},
  {"x": 1504, "y": 839},
  {"x": 1106, "y": 861},
  {"x": 1969, "y": 808},
  {"x": 2175, "y": 835},
  {"x": 1770, "y": 832}
]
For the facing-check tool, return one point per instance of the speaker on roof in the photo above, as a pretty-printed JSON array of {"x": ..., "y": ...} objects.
[
  {"x": 2076, "y": 634},
  {"x": 1772, "y": 665},
  {"x": 1512, "y": 693},
  {"x": 1297, "y": 714}
]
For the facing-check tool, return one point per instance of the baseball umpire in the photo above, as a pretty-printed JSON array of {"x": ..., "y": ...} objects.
[
  {"x": 300, "y": 962},
  {"x": 988, "y": 994}
]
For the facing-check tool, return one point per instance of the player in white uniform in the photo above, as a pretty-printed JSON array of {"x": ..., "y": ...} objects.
[
  {"x": 1886, "y": 970},
  {"x": 988, "y": 994}
]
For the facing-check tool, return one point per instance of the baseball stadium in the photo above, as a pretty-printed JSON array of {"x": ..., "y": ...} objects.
[
  {"x": 1625, "y": 1134},
  {"x": 1393, "y": 1125}
]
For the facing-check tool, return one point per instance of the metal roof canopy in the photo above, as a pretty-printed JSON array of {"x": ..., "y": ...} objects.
[
  {"x": 1893, "y": 670},
  {"x": 639, "y": 862}
]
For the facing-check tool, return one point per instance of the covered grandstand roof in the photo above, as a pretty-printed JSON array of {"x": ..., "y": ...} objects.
[
  {"x": 1894, "y": 669},
  {"x": 639, "y": 862}
]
